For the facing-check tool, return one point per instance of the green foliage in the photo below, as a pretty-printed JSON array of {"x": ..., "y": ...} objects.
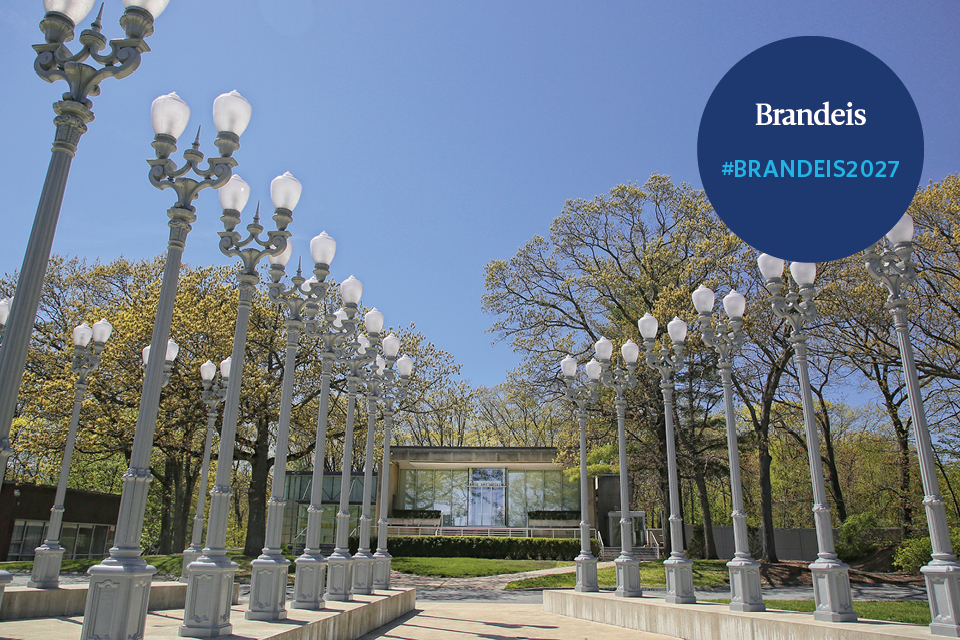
[
  {"x": 696, "y": 544},
  {"x": 484, "y": 547},
  {"x": 469, "y": 567},
  {"x": 553, "y": 515},
  {"x": 911, "y": 612},
  {"x": 855, "y": 539},
  {"x": 913, "y": 553},
  {"x": 706, "y": 573},
  {"x": 431, "y": 514}
]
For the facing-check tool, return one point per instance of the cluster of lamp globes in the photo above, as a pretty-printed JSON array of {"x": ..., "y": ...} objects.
[
  {"x": 76, "y": 10},
  {"x": 83, "y": 333}
]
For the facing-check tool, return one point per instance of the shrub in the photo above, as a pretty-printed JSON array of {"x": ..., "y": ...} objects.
[
  {"x": 913, "y": 553},
  {"x": 696, "y": 543},
  {"x": 431, "y": 514},
  {"x": 854, "y": 538},
  {"x": 484, "y": 547},
  {"x": 553, "y": 515}
]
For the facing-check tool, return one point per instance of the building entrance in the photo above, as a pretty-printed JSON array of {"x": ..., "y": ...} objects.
[{"x": 487, "y": 506}]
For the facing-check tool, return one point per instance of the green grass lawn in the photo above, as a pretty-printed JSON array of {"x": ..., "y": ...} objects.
[
  {"x": 912, "y": 612},
  {"x": 706, "y": 573},
  {"x": 470, "y": 567}
]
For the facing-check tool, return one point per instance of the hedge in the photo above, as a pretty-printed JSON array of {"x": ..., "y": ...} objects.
[
  {"x": 432, "y": 514},
  {"x": 553, "y": 515},
  {"x": 483, "y": 547}
]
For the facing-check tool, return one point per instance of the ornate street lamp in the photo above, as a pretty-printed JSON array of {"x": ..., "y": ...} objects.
[
  {"x": 169, "y": 356},
  {"x": 893, "y": 267},
  {"x": 213, "y": 395},
  {"x": 831, "y": 577},
  {"x": 620, "y": 380},
  {"x": 86, "y": 359},
  {"x": 583, "y": 395},
  {"x": 392, "y": 390},
  {"x": 726, "y": 337},
  {"x": 73, "y": 113},
  {"x": 123, "y": 612},
  {"x": 210, "y": 587},
  {"x": 678, "y": 568},
  {"x": 268, "y": 585}
]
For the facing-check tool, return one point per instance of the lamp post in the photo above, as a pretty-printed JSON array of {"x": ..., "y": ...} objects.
[
  {"x": 678, "y": 568},
  {"x": 121, "y": 611},
  {"x": 73, "y": 114},
  {"x": 831, "y": 578},
  {"x": 213, "y": 395},
  {"x": 86, "y": 359},
  {"x": 893, "y": 267},
  {"x": 726, "y": 337},
  {"x": 268, "y": 586},
  {"x": 393, "y": 390},
  {"x": 582, "y": 395},
  {"x": 363, "y": 559},
  {"x": 210, "y": 586},
  {"x": 620, "y": 380}
]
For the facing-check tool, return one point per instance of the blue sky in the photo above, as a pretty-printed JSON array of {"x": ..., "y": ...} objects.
[{"x": 430, "y": 137}]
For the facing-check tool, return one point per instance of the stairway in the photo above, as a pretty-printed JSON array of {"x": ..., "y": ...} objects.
[{"x": 642, "y": 553}]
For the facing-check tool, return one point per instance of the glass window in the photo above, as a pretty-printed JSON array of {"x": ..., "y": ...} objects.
[
  {"x": 492, "y": 477},
  {"x": 459, "y": 492},
  {"x": 552, "y": 491},
  {"x": 443, "y": 494},
  {"x": 516, "y": 499},
  {"x": 18, "y": 528},
  {"x": 534, "y": 490},
  {"x": 331, "y": 489},
  {"x": 99, "y": 539},
  {"x": 408, "y": 489},
  {"x": 571, "y": 494},
  {"x": 84, "y": 539},
  {"x": 425, "y": 489}
]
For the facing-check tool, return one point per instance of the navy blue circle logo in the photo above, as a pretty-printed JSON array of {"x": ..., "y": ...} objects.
[{"x": 810, "y": 149}]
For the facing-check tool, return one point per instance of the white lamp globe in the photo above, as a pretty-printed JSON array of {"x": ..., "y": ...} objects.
[
  {"x": 172, "y": 350},
  {"x": 207, "y": 371},
  {"x": 902, "y": 231},
  {"x": 703, "y": 299},
  {"x": 285, "y": 191},
  {"x": 604, "y": 348},
  {"x": 234, "y": 194},
  {"x": 593, "y": 369},
  {"x": 373, "y": 320},
  {"x": 4, "y": 311},
  {"x": 169, "y": 115},
  {"x": 339, "y": 316},
  {"x": 350, "y": 290},
  {"x": 145, "y": 354},
  {"x": 323, "y": 248},
  {"x": 381, "y": 364},
  {"x": 391, "y": 346},
  {"x": 648, "y": 326},
  {"x": 630, "y": 352},
  {"x": 568, "y": 367},
  {"x": 283, "y": 257},
  {"x": 76, "y": 10},
  {"x": 677, "y": 329},
  {"x": 308, "y": 284},
  {"x": 405, "y": 366},
  {"x": 82, "y": 334},
  {"x": 154, "y": 7},
  {"x": 231, "y": 113},
  {"x": 803, "y": 273},
  {"x": 225, "y": 367},
  {"x": 102, "y": 331},
  {"x": 734, "y": 304},
  {"x": 770, "y": 267}
]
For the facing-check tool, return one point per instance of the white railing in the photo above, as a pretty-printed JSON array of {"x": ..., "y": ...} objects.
[{"x": 514, "y": 532}]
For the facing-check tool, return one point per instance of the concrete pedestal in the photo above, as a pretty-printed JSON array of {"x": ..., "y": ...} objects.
[
  {"x": 679, "y": 580},
  {"x": 943, "y": 590},
  {"x": 831, "y": 591},
  {"x": 268, "y": 588},
  {"x": 362, "y": 582},
  {"x": 207, "y": 609},
  {"x": 381, "y": 570},
  {"x": 339, "y": 577},
  {"x": 5, "y": 579},
  {"x": 745, "y": 592},
  {"x": 46, "y": 566},
  {"x": 117, "y": 598},
  {"x": 190, "y": 555},
  {"x": 587, "y": 573},
  {"x": 628, "y": 577},
  {"x": 309, "y": 582}
]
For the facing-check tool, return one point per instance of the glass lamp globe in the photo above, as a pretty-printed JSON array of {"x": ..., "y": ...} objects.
[
  {"x": 902, "y": 231},
  {"x": 234, "y": 194},
  {"x": 381, "y": 364},
  {"x": 4, "y": 310},
  {"x": 630, "y": 352},
  {"x": 169, "y": 115},
  {"x": 285, "y": 191},
  {"x": 102, "y": 331},
  {"x": 373, "y": 320},
  {"x": 648, "y": 326},
  {"x": 734, "y": 304},
  {"x": 172, "y": 350},
  {"x": 76, "y": 10},
  {"x": 803, "y": 273},
  {"x": 207, "y": 371},
  {"x": 339, "y": 317},
  {"x": 677, "y": 329},
  {"x": 145, "y": 354},
  {"x": 405, "y": 366},
  {"x": 308, "y": 284},
  {"x": 153, "y": 7},
  {"x": 568, "y": 367},
  {"x": 391, "y": 346},
  {"x": 770, "y": 267},
  {"x": 604, "y": 348},
  {"x": 593, "y": 369},
  {"x": 350, "y": 290},
  {"x": 231, "y": 113},
  {"x": 82, "y": 334},
  {"x": 225, "y": 367},
  {"x": 283, "y": 257},
  {"x": 703, "y": 299},
  {"x": 323, "y": 248}
]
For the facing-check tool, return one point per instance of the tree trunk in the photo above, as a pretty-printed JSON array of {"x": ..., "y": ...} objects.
[
  {"x": 709, "y": 544},
  {"x": 766, "y": 498},
  {"x": 260, "y": 463},
  {"x": 165, "y": 543}
]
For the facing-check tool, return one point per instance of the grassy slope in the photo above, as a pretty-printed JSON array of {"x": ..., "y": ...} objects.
[
  {"x": 470, "y": 567},
  {"x": 706, "y": 573},
  {"x": 914, "y": 612}
]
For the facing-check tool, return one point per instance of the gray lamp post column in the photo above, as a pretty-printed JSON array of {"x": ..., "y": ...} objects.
[
  {"x": 582, "y": 395},
  {"x": 895, "y": 270},
  {"x": 73, "y": 114},
  {"x": 394, "y": 390},
  {"x": 678, "y": 568},
  {"x": 210, "y": 587},
  {"x": 726, "y": 338},
  {"x": 627, "y": 565},
  {"x": 831, "y": 578},
  {"x": 86, "y": 359},
  {"x": 120, "y": 585},
  {"x": 213, "y": 396}
]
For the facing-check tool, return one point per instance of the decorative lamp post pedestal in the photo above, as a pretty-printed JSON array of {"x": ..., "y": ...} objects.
[{"x": 309, "y": 581}]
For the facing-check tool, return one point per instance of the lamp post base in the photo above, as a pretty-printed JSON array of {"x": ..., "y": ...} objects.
[
  {"x": 339, "y": 578},
  {"x": 831, "y": 592},
  {"x": 309, "y": 581},
  {"x": 381, "y": 569},
  {"x": 679, "y": 574},
  {"x": 190, "y": 554},
  {"x": 5, "y": 579},
  {"x": 362, "y": 582},
  {"x": 268, "y": 587},
  {"x": 745, "y": 595},
  {"x": 117, "y": 597},
  {"x": 628, "y": 576},
  {"x": 587, "y": 573},
  {"x": 46, "y": 566},
  {"x": 209, "y": 596},
  {"x": 943, "y": 590}
]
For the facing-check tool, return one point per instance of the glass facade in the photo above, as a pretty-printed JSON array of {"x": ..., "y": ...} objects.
[
  {"x": 79, "y": 540},
  {"x": 297, "y": 490},
  {"x": 486, "y": 497}
]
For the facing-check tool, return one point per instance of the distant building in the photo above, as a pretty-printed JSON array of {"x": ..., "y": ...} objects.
[{"x": 297, "y": 489}]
